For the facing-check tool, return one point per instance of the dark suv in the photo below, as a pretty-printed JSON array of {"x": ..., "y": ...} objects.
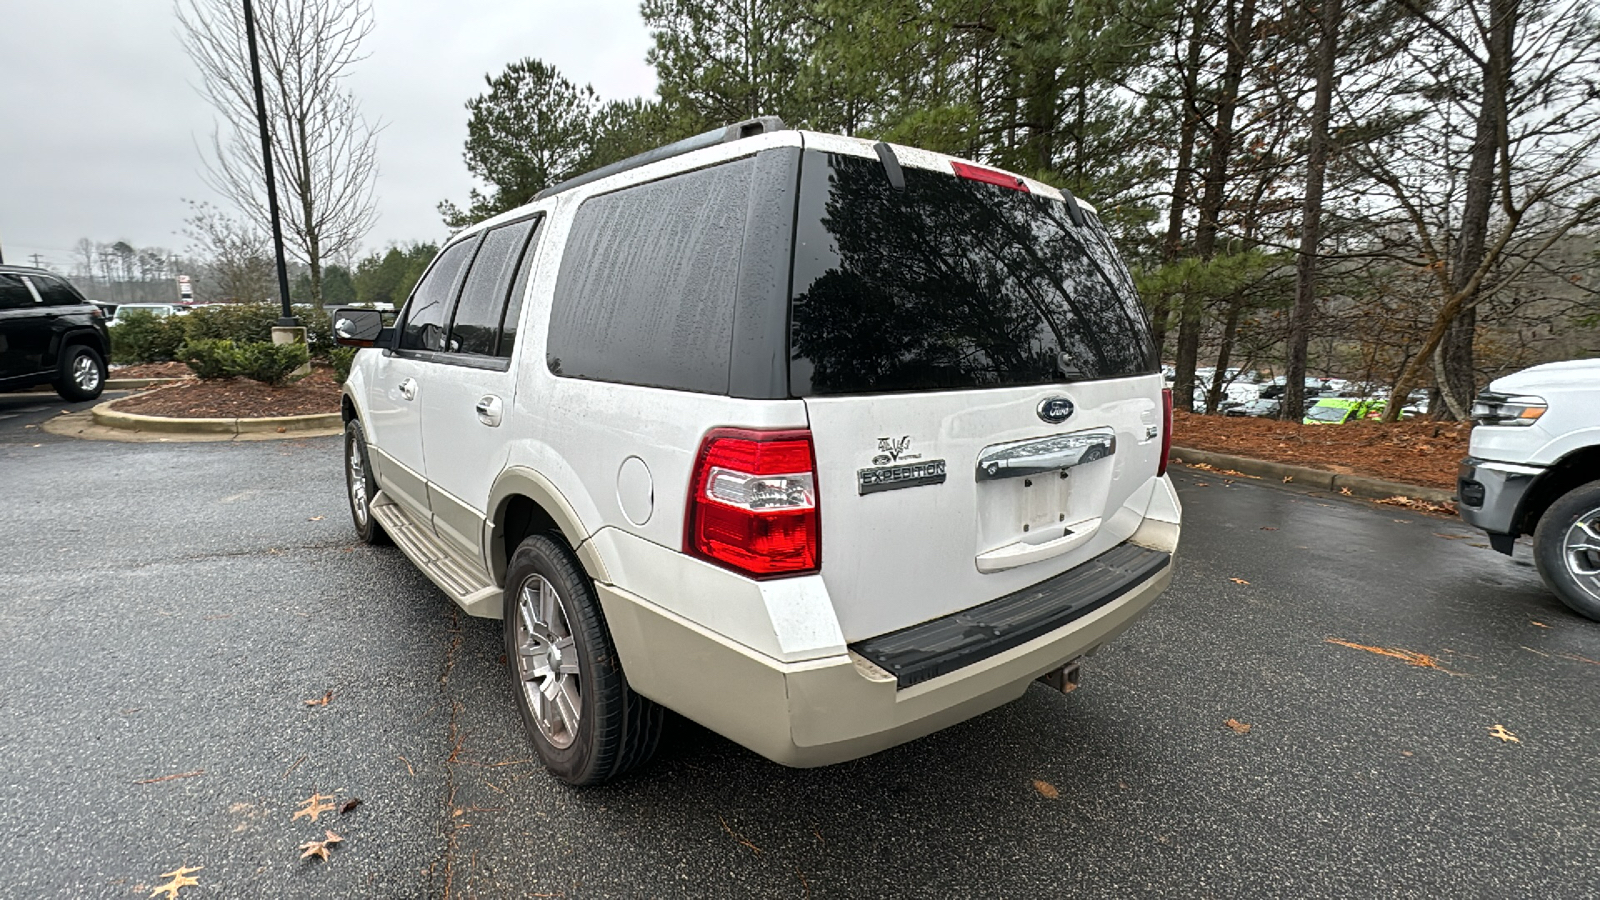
[{"x": 49, "y": 334}]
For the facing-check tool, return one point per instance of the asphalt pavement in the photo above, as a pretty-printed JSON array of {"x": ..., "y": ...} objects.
[{"x": 168, "y": 611}]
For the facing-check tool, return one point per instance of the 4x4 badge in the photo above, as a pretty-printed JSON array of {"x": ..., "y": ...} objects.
[
  {"x": 1055, "y": 410},
  {"x": 892, "y": 469}
]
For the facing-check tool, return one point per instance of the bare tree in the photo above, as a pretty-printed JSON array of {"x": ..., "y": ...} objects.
[
  {"x": 1484, "y": 204},
  {"x": 324, "y": 151},
  {"x": 234, "y": 254}
]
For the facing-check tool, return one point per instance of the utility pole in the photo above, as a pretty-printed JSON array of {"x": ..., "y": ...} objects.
[
  {"x": 288, "y": 320},
  {"x": 38, "y": 260}
]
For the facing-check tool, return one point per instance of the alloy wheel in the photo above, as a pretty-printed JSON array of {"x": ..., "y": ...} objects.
[
  {"x": 357, "y": 479},
  {"x": 85, "y": 374},
  {"x": 547, "y": 661},
  {"x": 1581, "y": 551}
]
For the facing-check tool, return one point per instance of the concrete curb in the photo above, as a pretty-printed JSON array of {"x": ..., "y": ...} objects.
[
  {"x": 104, "y": 416},
  {"x": 1320, "y": 479}
]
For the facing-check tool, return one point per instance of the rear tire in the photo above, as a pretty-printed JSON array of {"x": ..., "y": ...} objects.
[
  {"x": 1566, "y": 548},
  {"x": 564, "y": 667},
  {"x": 360, "y": 485},
  {"x": 81, "y": 373}
]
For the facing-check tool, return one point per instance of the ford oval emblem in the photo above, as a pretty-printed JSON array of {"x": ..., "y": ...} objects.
[{"x": 1055, "y": 410}]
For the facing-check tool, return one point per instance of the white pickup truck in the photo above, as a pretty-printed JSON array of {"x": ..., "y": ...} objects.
[{"x": 1534, "y": 469}]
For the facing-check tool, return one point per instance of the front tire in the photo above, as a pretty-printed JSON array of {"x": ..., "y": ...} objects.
[
  {"x": 586, "y": 724},
  {"x": 360, "y": 486},
  {"x": 81, "y": 374},
  {"x": 1566, "y": 548}
]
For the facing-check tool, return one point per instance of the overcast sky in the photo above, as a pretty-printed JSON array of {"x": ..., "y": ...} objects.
[{"x": 100, "y": 124}]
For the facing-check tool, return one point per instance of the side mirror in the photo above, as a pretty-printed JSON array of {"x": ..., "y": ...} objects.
[{"x": 360, "y": 328}]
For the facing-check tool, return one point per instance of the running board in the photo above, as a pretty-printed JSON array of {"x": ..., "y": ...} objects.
[{"x": 470, "y": 591}]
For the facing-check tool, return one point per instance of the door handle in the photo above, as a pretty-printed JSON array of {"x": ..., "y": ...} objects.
[
  {"x": 408, "y": 389},
  {"x": 1034, "y": 457},
  {"x": 489, "y": 410}
]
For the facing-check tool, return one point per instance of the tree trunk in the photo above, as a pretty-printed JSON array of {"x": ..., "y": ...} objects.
[
  {"x": 1230, "y": 328},
  {"x": 1240, "y": 36},
  {"x": 1453, "y": 333},
  {"x": 1187, "y": 127},
  {"x": 1305, "y": 286}
]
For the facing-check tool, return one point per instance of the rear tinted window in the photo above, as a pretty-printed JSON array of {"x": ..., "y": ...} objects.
[
  {"x": 645, "y": 294},
  {"x": 951, "y": 284}
]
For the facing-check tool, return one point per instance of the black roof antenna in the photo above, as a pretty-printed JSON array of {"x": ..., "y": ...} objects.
[{"x": 891, "y": 165}]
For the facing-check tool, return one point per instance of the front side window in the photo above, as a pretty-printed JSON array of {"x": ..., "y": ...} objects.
[
  {"x": 951, "y": 284},
  {"x": 428, "y": 314},
  {"x": 476, "y": 327},
  {"x": 13, "y": 293},
  {"x": 647, "y": 285}
]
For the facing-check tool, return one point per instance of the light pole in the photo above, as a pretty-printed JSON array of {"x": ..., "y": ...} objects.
[{"x": 288, "y": 320}]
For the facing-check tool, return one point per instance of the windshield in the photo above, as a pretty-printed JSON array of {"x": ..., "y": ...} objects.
[
  {"x": 1328, "y": 413},
  {"x": 951, "y": 284}
]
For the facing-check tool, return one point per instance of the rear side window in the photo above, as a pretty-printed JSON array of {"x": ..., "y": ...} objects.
[
  {"x": 646, "y": 290},
  {"x": 54, "y": 292},
  {"x": 951, "y": 284},
  {"x": 428, "y": 313},
  {"x": 476, "y": 327}
]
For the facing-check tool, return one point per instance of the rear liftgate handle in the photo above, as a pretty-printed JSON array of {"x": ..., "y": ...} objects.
[{"x": 489, "y": 410}]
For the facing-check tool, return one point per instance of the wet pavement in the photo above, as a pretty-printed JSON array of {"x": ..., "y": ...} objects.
[{"x": 168, "y": 610}]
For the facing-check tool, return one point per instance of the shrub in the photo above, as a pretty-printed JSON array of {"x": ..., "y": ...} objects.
[
  {"x": 211, "y": 358},
  {"x": 141, "y": 336},
  {"x": 342, "y": 357},
  {"x": 270, "y": 363},
  {"x": 242, "y": 323}
]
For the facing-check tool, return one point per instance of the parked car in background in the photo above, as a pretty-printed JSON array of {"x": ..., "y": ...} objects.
[
  {"x": 1534, "y": 468},
  {"x": 49, "y": 334},
  {"x": 647, "y": 421},
  {"x": 1339, "y": 410},
  {"x": 159, "y": 310},
  {"x": 1259, "y": 408}
]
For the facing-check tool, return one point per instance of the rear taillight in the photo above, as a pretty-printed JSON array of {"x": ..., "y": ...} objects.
[
  {"x": 753, "y": 503},
  {"x": 1166, "y": 430}
]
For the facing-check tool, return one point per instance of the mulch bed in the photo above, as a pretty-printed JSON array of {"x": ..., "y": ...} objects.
[
  {"x": 228, "y": 398},
  {"x": 1418, "y": 451},
  {"x": 153, "y": 370}
]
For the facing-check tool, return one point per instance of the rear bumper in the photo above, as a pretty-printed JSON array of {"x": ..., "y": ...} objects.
[
  {"x": 1491, "y": 493},
  {"x": 837, "y": 708}
]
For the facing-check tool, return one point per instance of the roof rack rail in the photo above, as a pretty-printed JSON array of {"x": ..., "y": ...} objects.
[{"x": 734, "y": 132}]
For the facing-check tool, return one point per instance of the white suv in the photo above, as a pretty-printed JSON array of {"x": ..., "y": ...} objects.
[{"x": 821, "y": 443}]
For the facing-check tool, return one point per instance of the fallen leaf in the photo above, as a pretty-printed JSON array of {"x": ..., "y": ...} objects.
[
  {"x": 1346, "y": 492},
  {"x": 1505, "y": 736},
  {"x": 1420, "y": 660},
  {"x": 313, "y": 806},
  {"x": 282, "y": 429},
  {"x": 1202, "y": 484},
  {"x": 316, "y": 518},
  {"x": 180, "y": 880},
  {"x": 1288, "y": 478},
  {"x": 1046, "y": 789},
  {"x": 1406, "y": 753},
  {"x": 1238, "y": 581},
  {"x": 171, "y": 777},
  {"x": 320, "y": 848},
  {"x": 349, "y": 806},
  {"x": 324, "y": 700},
  {"x": 1451, "y": 537},
  {"x": 1268, "y": 528},
  {"x": 737, "y": 836},
  {"x": 1238, "y": 726},
  {"x": 1540, "y": 624}
]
